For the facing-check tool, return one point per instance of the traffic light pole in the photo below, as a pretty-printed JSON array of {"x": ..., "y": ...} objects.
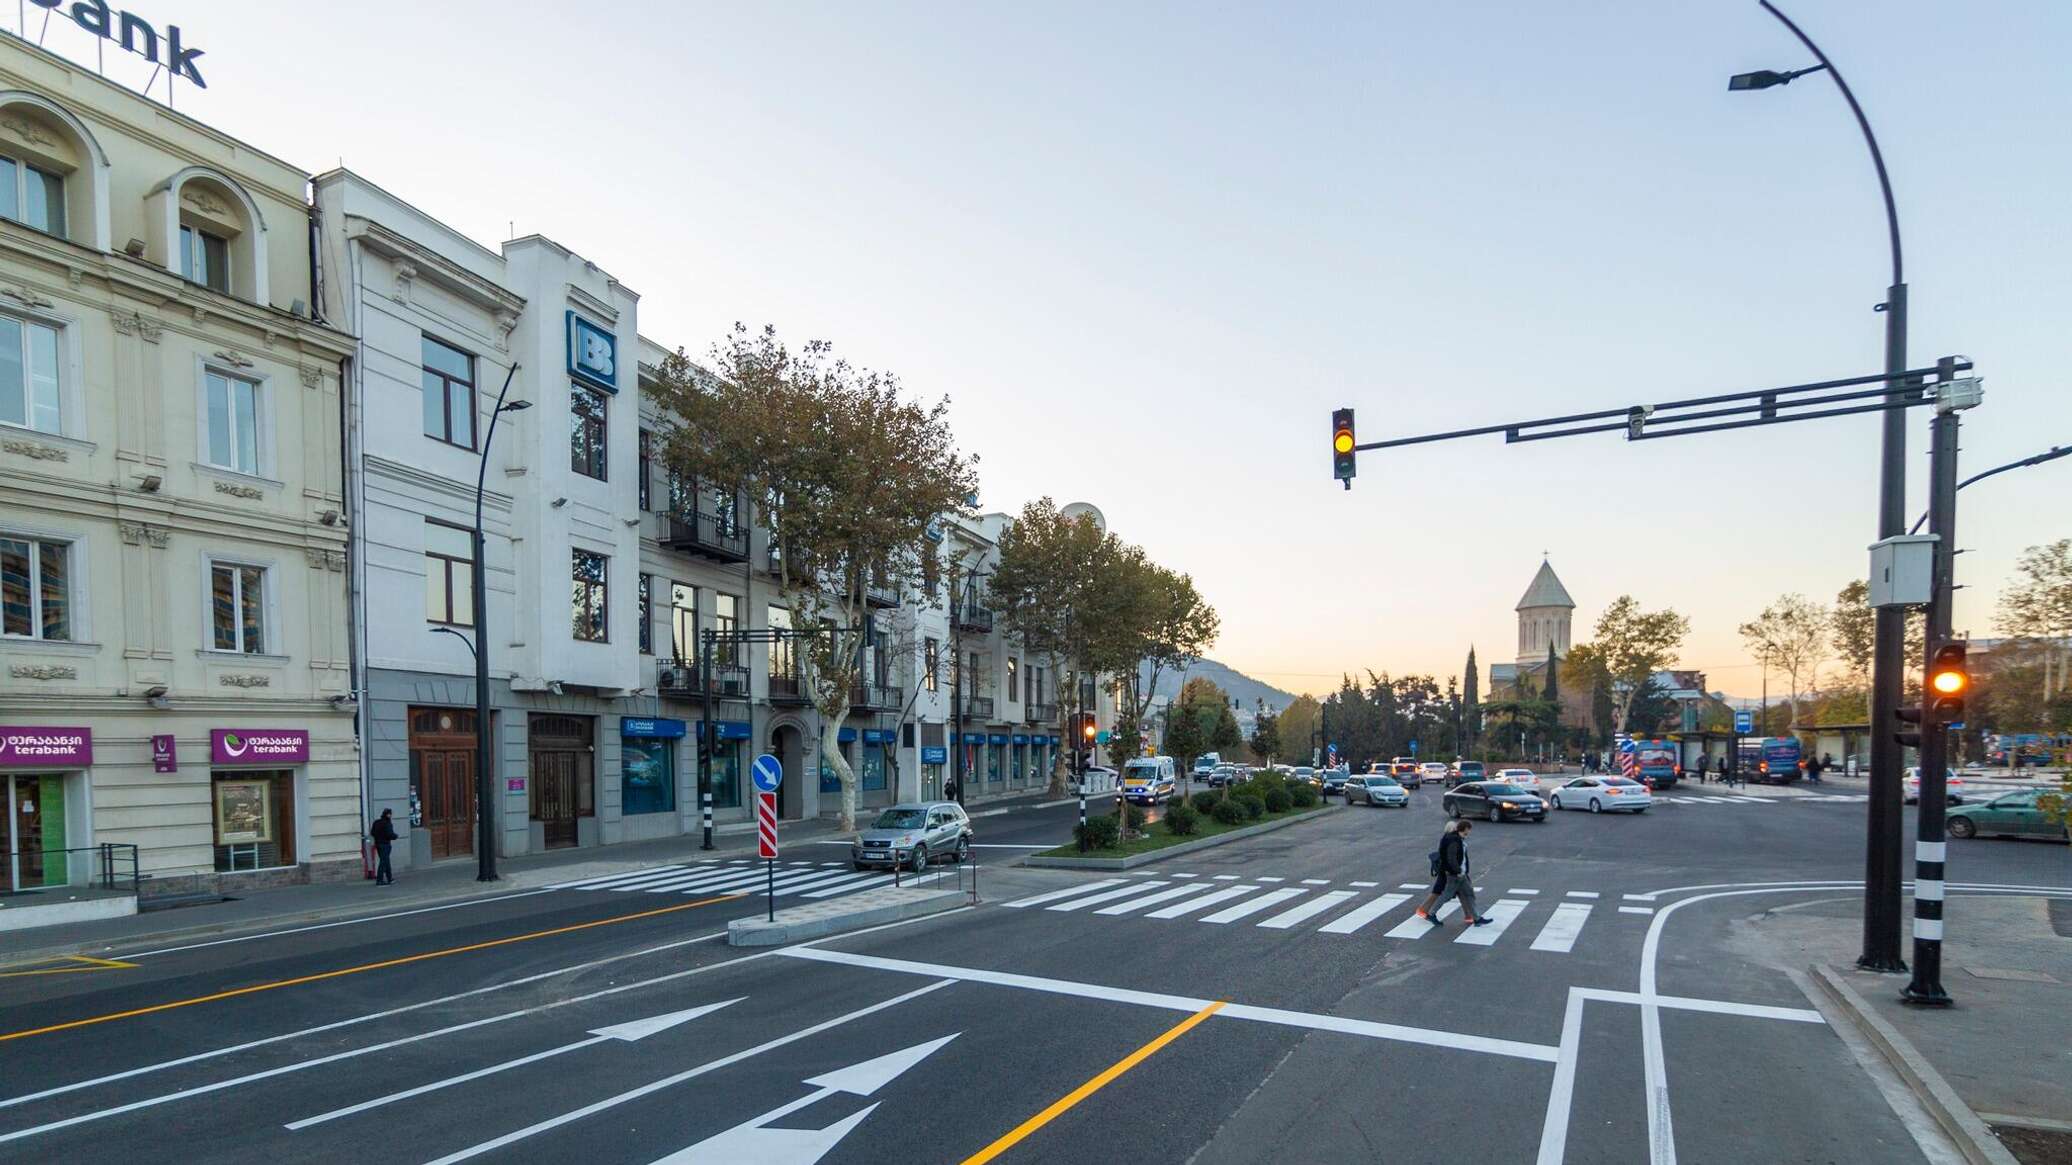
[{"x": 1926, "y": 987}]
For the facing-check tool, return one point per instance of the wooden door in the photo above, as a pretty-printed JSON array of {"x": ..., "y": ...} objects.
[
  {"x": 563, "y": 772},
  {"x": 442, "y": 755},
  {"x": 25, "y": 807}
]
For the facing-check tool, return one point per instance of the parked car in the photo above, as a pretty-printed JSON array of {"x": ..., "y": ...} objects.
[
  {"x": 1406, "y": 772},
  {"x": 1374, "y": 789},
  {"x": 912, "y": 834},
  {"x": 1493, "y": 800},
  {"x": 1434, "y": 771},
  {"x": 1603, "y": 795},
  {"x": 1953, "y": 791},
  {"x": 2008, "y": 815},
  {"x": 1147, "y": 780}
]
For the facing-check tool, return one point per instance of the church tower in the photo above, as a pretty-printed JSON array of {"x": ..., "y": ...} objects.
[{"x": 1544, "y": 616}]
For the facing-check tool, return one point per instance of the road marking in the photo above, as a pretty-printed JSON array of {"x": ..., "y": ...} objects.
[
  {"x": 1266, "y": 879},
  {"x": 1059, "y": 1107},
  {"x": 1067, "y": 892},
  {"x": 758, "y": 1141},
  {"x": 1316, "y": 881},
  {"x": 1554, "y": 1129},
  {"x": 1418, "y": 927},
  {"x": 1411, "y": 886},
  {"x": 1515, "y": 890},
  {"x": 687, "y": 1074},
  {"x": 1186, "y": 875},
  {"x": 92, "y": 964},
  {"x": 1309, "y": 909},
  {"x": 246, "y": 938},
  {"x": 1312, "y": 1021},
  {"x": 1561, "y": 930},
  {"x": 1253, "y": 905},
  {"x": 320, "y": 976},
  {"x": 853, "y": 882},
  {"x": 1636, "y": 910},
  {"x": 1105, "y": 896},
  {"x": 613, "y": 879},
  {"x": 627, "y": 1032},
  {"x": 1226, "y": 877},
  {"x": 1353, "y": 920},
  {"x": 1179, "y": 891},
  {"x": 1203, "y": 902},
  {"x": 1366, "y": 885},
  {"x": 1714, "y": 1006},
  {"x": 1582, "y": 893},
  {"x": 1505, "y": 910}
]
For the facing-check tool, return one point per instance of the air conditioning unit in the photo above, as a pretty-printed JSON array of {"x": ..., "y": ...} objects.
[
  {"x": 669, "y": 677},
  {"x": 733, "y": 685}
]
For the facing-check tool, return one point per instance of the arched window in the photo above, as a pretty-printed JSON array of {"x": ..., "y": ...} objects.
[
  {"x": 208, "y": 231},
  {"x": 53, "y": 173}
]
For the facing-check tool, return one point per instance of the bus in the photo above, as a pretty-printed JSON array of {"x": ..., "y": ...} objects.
[{"x": 1773, "y": 760}]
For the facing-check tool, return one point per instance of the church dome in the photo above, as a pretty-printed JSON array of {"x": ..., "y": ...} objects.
[{"x": 1545, "y": 591}]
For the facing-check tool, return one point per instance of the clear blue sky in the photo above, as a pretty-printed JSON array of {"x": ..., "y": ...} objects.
[{"x": 1146, "y": 249}]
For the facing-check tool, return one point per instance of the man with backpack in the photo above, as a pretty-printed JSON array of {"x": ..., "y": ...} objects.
[{"x": 1451, "y": 877}]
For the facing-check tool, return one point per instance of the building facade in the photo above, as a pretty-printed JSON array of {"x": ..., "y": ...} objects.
[{"x": 173, "y": 607}]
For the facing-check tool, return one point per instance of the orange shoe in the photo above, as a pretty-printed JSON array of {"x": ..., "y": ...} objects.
[{"x": 1421, "y": 913}]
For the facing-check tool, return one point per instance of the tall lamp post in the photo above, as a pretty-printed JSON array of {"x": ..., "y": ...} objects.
[
  {"x": 485, "y": 841},
  {"x": 1881, "y": 914}
]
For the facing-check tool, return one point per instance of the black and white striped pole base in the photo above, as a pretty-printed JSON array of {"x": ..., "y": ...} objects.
[
  {"x": 705, "y": 811},
  {"x": 1926, "y": 988}
]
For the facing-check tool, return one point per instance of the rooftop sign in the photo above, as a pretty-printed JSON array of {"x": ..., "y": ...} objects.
[{"x": 134, "y": 34}]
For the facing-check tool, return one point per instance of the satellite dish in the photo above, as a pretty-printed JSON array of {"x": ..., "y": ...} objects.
[{"x": 1085, "y": 510}]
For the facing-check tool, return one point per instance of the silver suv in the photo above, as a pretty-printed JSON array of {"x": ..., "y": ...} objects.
[{"x": 912, "y": 834}]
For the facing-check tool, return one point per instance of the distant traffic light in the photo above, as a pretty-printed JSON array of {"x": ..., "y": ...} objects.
[
  {"x": 1948, "y": 681},
  {"x": 1342, "y": 445}
]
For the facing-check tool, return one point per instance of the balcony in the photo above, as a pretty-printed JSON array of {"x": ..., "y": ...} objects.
[
  {"x": 971, "y": 615},
  {"x": 877, "y": 697},
  {"x": 788, "y": 689},
  {"x": 716, "y": 536},
  {"x": 978, "y": 707},
  {"x": 1042, "y": 713},
  {"x": 881, "y": 595},
  {"x": 679, "y": 679}
]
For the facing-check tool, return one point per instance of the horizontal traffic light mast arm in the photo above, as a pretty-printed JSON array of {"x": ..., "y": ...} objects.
[{"x": 1762, "y": 406}]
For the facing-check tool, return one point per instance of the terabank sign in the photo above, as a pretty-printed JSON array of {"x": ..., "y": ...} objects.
[
  {"x": 133, "y": 34},
  {"x": 40, "y": 747},
  {"x": 258, "y": 746}
]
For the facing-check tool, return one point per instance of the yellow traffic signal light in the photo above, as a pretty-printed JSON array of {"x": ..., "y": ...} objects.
[
  {"x": 1343, "y": 446},
  {"x": 1948, "y": 681}
]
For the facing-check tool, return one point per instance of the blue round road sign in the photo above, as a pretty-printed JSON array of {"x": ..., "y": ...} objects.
[{"x": 768, "y": 773}]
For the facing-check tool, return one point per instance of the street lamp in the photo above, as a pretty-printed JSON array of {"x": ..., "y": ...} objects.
[
  {"x": 485, "y": 844},
  {"x": 1881, "y": 916}
]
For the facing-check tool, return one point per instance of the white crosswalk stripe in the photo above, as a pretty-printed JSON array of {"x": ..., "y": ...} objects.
[
  {"x": 1085, "y": 901},
  {"x": 738, "y": 876},
  {"x": 1307, "y": 910},
  {"x": 1415, "y": 927},
  {"x": 1253, "y": 906},
  {"x": 1179, "y": 891},
  {"x": 1559, "y": 934},
  {"x": 1351, "y": 921},
  {"x": 1204, "y": 902},
  {"x": 1067, "y": 892},
  {"x": 1501, "y": 914}
]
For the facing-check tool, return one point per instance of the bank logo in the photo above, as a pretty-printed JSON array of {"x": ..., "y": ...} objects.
[
  {"x": 593, "y": 353},
  {"x": 233, "y": 744}
]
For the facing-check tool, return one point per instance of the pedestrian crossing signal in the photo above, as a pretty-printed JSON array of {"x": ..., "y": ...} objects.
[{"x": 1342, "y": 446}]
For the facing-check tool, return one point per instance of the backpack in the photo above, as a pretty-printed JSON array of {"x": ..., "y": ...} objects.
[{"x": 1434, "y": 855}]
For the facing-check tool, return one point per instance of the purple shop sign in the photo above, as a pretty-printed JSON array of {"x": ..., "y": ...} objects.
[
  {"x": 258, "y": 746},
  {"x": 165, "y": 755},
  {"x": 514, "y": 785},
  {"x": 35, "y": 747}
]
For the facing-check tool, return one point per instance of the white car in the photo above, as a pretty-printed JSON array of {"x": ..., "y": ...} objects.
[
  {"x": 1953, "y": 790},
  {"x": 1603, "y": 795},
  {"x": 1433, "y": 772},
  {"x": 1525, "y": 779}
]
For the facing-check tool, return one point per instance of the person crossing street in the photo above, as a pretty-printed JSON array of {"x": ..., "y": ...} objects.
[{"x": 1453, "y": 879}]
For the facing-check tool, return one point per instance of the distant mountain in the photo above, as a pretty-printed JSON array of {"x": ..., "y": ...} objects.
[{"x": 1247, "y": 690}]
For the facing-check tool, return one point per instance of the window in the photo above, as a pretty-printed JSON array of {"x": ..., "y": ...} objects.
[
  {"x": 784, "y": 660},
  {"x": 972, "y": 676},
  {"x": 32, "y": 197},
  {"x": 931, "y": 664},
  {"x": 1014, "y": 684},
  {"x": 233, "y": 423},
  {"x": 449, "y": 575},
  {"x": 647, "y": 462},
  {"x": 35, "y": 588},
  {"x": 586, "y": 431},
  {"x": 1036, "y": 684},
  {"x": 725, "y": 618},
  {"x": 448, "y": 375},
  {"x": 647, "y": 612},
  {"x": 29, "y": 375},
  {"x": 647, "y": 775},
  {"x": 587, "y": 605},
  {"x": 683, "y": 622},
  {"x": 237, "y": 607},
  {"x": 205, "y": 258}
]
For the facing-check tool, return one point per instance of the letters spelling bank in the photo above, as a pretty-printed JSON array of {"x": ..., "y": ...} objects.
[{"x": 134, "y": 34}]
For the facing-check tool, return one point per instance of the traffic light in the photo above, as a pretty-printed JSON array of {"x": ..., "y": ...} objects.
[
  {"x": 1911, "y": 738},
  {"x": 1342, "y": 444},
  {"x": 1087, "y": 730},
  {"x": 1948, "y": 681}
]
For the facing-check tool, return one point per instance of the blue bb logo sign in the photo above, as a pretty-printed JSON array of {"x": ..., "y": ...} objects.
[{"x": 593, "y": 353}]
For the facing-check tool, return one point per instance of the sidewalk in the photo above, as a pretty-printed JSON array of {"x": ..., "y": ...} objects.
[{"x": 2005, "y": 1044}]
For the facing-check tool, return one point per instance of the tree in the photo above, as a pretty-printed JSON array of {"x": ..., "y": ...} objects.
[
  {"x": 1852, "y": 627},
  {"x": 1298, "y": 726},
  {"x": 1161, "y": 622},
  {"x": 848, "y": 476},
  {"x": 2037, "y": 604},
  {"x": 1471, "y": 704},
  {"x": 1551, "y": 690},
  {"x": 1633, "y": 645},
  {"x": 1790, "y": 636},
  {"x": 1266, "y": 736},
  {"x": 1226, "y": 736}
]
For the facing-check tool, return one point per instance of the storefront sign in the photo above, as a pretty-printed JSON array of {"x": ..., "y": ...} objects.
[
  {"x": 934, "y": 755},
  {"x": 845, "y": 735},
  {"x": 134, "y": 35},
  {"x": 999, "y": 738},
  {"x": 731, "y": 729},
  {"x": 593, "y": 354},
  {"x": 244, "y": 812},
  {"x": 877, "y": 736},
  {"x": 258, "y": 746},
  {"x": 514, "y": 785},
  {"x": 45, "y": 748},
  {"x": 1020, "y": 739},
  {"x": 165, "y": 754},
  {"x": 650, "y": 726}
]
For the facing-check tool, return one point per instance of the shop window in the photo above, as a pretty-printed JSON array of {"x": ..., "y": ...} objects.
[
  {"x": 873, "y": 777},
  {"x": 32, "y": 196},
  {"x": 233, "y": 408},
  {"x": 449, "y": 575},
  {"x": 35, "y": 588},
  {"x": 448, "y": 377},
  {"x": 586, "y": 430},
  {"x": 588, "y": 608},
  {"x": 255, "y": 819},
  {"x": 30, "y": 391},
  {"x": 647, "y": 779},
  {"x": 237, "y": 608},
  {"x": 726, "y": 774}
]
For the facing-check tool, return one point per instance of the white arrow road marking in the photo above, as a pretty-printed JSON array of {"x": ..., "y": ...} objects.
[
  {"x": 638, "y": 1029},
  {"x": 654, "y": 1086}
]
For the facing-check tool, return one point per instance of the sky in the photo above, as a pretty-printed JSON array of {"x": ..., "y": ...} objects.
[{"x": 1145, "y": 249}]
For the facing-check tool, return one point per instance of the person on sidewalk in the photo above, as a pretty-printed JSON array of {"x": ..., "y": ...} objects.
[
  {"x": 1454, "y": 880},
  {"x": 384, "y": 834},
  {"x": 1813, "y": 770}
]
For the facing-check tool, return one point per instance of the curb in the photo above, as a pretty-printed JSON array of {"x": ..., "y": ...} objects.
[
  {"x": 1173, "y": 851},
  {"x": 1973, "y": 1139},
  {"x": 810, "y": 922}
]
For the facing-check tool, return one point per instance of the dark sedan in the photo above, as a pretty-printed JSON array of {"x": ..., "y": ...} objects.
[{"x": 1492, "y": 800}]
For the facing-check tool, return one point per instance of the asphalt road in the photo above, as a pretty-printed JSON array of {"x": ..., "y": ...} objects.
[{"x": 1268, "y": 1000}]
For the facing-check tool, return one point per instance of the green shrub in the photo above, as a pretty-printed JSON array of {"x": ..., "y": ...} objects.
[
  {"x": 1134, "y": 814},
  {"x": 1254, "y": 807},
  {"x": 1303, "y": 796},
  {"x": 1278, "y": 801},
  {"x": 1228, "y": 811},
  {"x": 1205, "y": 801},
  {"x": 1180, "y": 819},
  {"x": 1097, "y": 833}
]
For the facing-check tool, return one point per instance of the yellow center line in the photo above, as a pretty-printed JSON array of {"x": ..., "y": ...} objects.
[
  {"x": 92, "y": 964},
  {"x": 1058, "y": 1108},
  {"x": 322, "y": 975}
]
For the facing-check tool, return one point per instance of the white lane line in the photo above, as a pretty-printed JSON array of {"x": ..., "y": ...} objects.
[
  {"x": 1203, "y": 902},
  {"x": 1560, "y": 933},
  {"x": 1542, "y": 1053},
  {"x": 1554, "y": 1129},
  {"x": 1415, "y": 927},
  {"x": 1354, "y": 919},
  {"x": 1253, "y": 905},
  {"x": 1085, "y": 901},
  {"x": 1505, "y": 910},
  {"x": 1636, "y": 910},
  {"x": 246, "y": 938},
  {"x": 1067, "y": 892},
  {"x": 1316, "y": 881},
  {"x": 1267, "y": 879},
  {"x": 1366, "y": 885},
  {"x": 1582, "y": 893},
  {"x": 1309, "y": 909},
  {"x": 1226, "y": 877},
  {"x": 846, "y": 885},
  {"x": 1715, "y": 1006},
  {"x": 1179, "y": 891},
  {"x": 621, "y": 876},
  {"x": 687, "y": 1074},
  {"x": 1636, "y": 897},
  {"x": 1515, "y": 890}
]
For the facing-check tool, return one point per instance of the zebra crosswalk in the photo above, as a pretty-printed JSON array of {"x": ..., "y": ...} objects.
[
  {"x": 1263, "y": 903},
  {"x": 1749, "y": 799},
  {"x": 806, "y": 880}
]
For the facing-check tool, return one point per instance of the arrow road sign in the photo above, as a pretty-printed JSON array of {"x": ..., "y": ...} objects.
[
  {"x": 769, "y": 773},
  {"x": 753, "y": 1141}
]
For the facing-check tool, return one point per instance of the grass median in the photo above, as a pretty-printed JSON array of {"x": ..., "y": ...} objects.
[{"x": 1156, "y": 837}]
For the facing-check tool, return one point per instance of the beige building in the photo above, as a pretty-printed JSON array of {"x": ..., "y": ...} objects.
[{"x": 172, "y": 548}]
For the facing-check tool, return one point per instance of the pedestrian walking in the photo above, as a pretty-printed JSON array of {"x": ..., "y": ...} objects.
[
  {"x": 1813, "y": 770},
  {"x": 1452, "y": 878},
  {"x": 383, "y": 832}
]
